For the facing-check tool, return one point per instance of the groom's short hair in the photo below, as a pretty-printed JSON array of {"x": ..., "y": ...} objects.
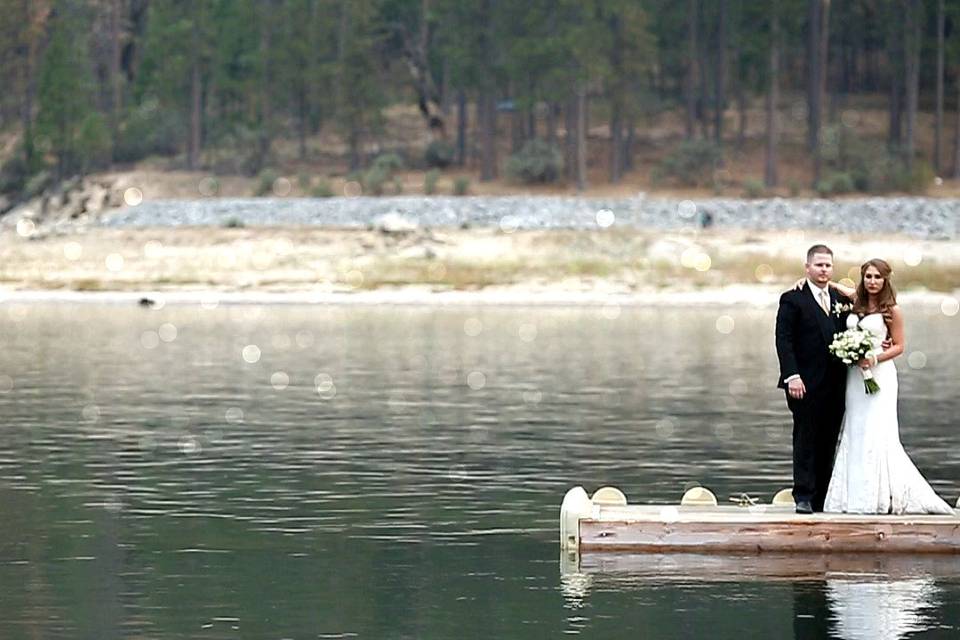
[{"x": 818, "y": 248}]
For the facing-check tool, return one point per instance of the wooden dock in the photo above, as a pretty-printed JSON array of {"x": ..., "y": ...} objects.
[{"x": 591, "y": 525}]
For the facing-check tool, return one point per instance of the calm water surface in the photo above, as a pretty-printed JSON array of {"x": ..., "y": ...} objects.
[{"x": 316, "y": 472}]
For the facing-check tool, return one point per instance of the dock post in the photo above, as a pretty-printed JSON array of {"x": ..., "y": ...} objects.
[{"x": 576, "y": 505}]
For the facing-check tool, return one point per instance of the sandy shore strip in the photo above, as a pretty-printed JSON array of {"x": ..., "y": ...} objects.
[
  {"x": 749, "y": 296},
  {"x": 450, "y": 266}
]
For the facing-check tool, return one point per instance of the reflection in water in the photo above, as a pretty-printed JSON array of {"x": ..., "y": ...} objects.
[{"x": 879, "y": 609}]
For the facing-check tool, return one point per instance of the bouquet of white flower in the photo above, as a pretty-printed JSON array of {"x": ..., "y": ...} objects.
[{"x": 852, "y": 346}]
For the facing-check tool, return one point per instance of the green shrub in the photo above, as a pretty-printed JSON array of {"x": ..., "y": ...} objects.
[
  {"x": 303, "y": 181},
  {"x": 388, "y": 162},
  {"x": 322, "y": 190},
  {"x": 439, "y": 154},
  {"x": 233, "y": 223},
  {"x": 753, "y": 188},
  {"x": 692, "y": 163},
  {"x": 93, "y": 143},
  {"x": 461, "y": 186},
  {"x": 148, "y": 130},
  {"x": 265, "y": 182},
  {"x": 430, "y": 182},
  {"x": 537, "y": 162},
  {"x": 373, "y": 180},
  {"x": 835, "y": 183},
  {"x": 916, "y": 179}
]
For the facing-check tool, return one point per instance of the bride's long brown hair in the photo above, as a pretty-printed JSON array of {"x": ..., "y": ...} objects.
[{"x": 886, "y": 297}]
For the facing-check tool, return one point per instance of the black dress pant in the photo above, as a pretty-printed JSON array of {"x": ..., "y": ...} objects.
[{"x": 816, "y": 428}]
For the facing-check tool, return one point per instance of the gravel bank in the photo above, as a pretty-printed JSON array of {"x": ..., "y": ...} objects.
[{"x": 927, "y": 218}]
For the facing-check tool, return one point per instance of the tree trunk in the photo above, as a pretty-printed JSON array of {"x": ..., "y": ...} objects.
[
  {"x": 938, "y": 124},
  {"x": 704, "y": 101},
  {"x": 193, "y": 152},
  {"x": 302, "y": 122},
  {"x": 720, "y": 93},
  {"x": 691, "y": 77},
  {"x": 115, "y": 86},
  {"x": 616, "y": 95},
  {"x": 896, "y": 55},
  {"x": 488, "y": 135},
  {"x": 570, "y": 139},
  {"x": 461, "y": 127},
  {"x": 616, "y": 142},
  {"x": 265, "y": 138},
  {"x": 628, "y": 144},
  {"x": 770, "y": 163},
  {"x": 956, "y": 138},
  {"x": 581, "y": 135},
  {"x": 29, "y": 91},
  {"x": 517, "y": 125},
  {"x": 737, "y": 82},
  {"x": 813, "y": 71},
  {"x": 553, "y": 109},
  {"x": 912, "y": 25}
]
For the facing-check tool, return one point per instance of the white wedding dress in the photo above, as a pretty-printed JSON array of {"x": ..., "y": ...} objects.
[{"x": 872, "y": 473}]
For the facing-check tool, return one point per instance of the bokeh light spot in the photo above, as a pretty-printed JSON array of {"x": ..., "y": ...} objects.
[
  {"x": 208, "y": 187},
  {"x": 114, "y": 262},
  {"x": 233, "y": 415},
  {"x": 280, "y": 380},
  {"x": 6, "y": 384},
  {"x": 472, "y": 327},
  {"x": 167, "y": 332},
  {"x": 509, "y": 224},
  {"x": 913, "y": 256},
  {"x": 282, "y": 187},
  {"x": 527, "y": 332},
  {"x": 90, "y": 413},
  {"x": 605, "y": 218},
  {"x": 687, "y": 209},
  {"x": 26, "y": 227},
  {"x": 949, "y": 306},
  {"x": 665, "y": 427},
  {"x": 763, "y": 273},
  {"x": 476, "y": 380},
  {"x": 323, "y": 382},
  {"x": 251, "y": 353},
  {"x": 725, "y": 324},
  {"x": 72, "y": 251},
  {"x": 917, "y": 360},
  {"x": 132, "y": 197},
  {"x": 149, "y": 339}
]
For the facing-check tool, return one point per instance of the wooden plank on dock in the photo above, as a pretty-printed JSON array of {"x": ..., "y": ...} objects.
[
  {"x": 764, "y": 529},
  {"x": 613, "y": 525}
]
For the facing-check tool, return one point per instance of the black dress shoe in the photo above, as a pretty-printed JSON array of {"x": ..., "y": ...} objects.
[{"x": 804, "y": 506}]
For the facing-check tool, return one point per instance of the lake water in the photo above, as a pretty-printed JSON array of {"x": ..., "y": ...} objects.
[{"x": 326, "y": 472}]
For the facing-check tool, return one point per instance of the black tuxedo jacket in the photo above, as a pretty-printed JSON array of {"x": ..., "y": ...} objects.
[{"x": 804, "y": 333}]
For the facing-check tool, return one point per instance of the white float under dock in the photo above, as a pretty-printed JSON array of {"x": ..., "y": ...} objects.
[{"x": 606, "y": 522}]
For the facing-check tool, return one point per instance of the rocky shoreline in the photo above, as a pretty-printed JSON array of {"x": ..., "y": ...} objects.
[{"x": 119, "y": 202}]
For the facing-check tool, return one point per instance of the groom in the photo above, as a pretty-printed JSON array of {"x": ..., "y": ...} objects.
[{"x": 814, "y": 380}]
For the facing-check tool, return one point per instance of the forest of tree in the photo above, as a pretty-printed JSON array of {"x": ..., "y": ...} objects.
[{"x": 217, "y": 83}]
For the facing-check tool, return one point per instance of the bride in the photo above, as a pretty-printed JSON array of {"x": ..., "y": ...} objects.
[{"x": 872, "y": 473}]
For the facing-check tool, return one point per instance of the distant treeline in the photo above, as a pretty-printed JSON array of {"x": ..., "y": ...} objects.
[{"x": 89, "y": 83}]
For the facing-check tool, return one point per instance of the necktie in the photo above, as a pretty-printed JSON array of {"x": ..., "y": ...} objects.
[{"x": 824, "y": 304}]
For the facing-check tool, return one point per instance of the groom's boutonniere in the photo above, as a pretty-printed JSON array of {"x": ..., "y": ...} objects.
[{"x": 840, "y": 308}]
